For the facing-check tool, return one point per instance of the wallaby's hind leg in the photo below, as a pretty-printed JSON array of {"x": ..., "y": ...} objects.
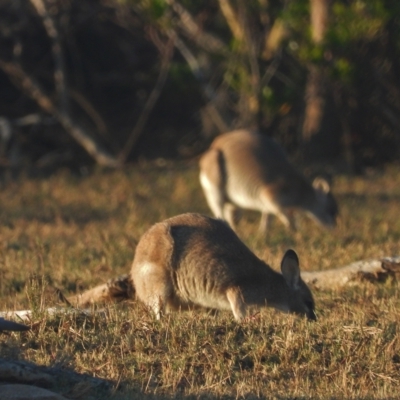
[
  {"x": 155, "y": 288},
  {"x": 212, "y": 179},
  {"x": 237, "y": 303},
  {"x": 151, "y": 271}
]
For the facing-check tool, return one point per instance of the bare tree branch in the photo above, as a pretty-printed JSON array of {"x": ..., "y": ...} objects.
[
  {"x": 319, "y": 10},
  {"x": 85, "y": 104},
  {"x": 26, "y": 315},
  {"x": 207, "y": 90},
  {"x": 190, "y": 27},
  {"x": 58, "y": 56},
  {"x": 61, "y": 111},
  {"x": 150, "y": 103},
  {"x": 33, "y": 89},
  {"x": 232, "y": 20}
]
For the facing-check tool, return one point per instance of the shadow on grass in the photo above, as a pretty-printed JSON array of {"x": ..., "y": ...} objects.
[{"x": 64, "y": 380}]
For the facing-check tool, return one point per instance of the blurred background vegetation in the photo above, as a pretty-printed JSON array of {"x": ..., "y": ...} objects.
[{"x": 87, "y": 82}]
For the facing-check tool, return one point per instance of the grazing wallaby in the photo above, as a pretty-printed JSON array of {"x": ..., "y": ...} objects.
[
  {"x": 192, "y": 260},
  {"x": 248, "y": 170}
]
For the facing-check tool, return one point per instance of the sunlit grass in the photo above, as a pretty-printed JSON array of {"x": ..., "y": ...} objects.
[{"x": 74, "y": 233}]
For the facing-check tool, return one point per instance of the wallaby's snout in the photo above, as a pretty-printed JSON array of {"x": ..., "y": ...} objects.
[
  {"x": 326, "y": 210},
  {"x": 192, "y": 260},
  {"x": 244, "y": 169}
]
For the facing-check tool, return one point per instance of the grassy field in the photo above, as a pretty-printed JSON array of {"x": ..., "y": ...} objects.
[{"x": 75, "y": 232}]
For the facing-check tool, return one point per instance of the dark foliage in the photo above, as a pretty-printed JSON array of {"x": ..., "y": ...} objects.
[{"x": 113, "y": 53}]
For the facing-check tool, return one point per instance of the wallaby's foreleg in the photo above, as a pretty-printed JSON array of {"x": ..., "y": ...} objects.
[
  {"x": 212, "y": 179},
  {"x": 237, "y": 303}
]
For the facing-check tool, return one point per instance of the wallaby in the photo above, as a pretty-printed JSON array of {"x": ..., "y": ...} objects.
[
  {"x": 248, "y": 170},
  {"x": 192, "y": 260}
]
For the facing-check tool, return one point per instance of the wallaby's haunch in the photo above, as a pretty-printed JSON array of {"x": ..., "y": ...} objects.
[
  {"x": 248, "y": 170},
  {"x": 192, "y": 260}
]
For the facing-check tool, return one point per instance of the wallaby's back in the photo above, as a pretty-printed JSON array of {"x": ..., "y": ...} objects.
[
  {"x": 248, "y": 170},
  {"x": 194, "y": 260}
]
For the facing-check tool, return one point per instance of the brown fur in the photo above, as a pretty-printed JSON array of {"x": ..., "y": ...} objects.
[
  {"x": 244, "y": 169},
  {"x": 193, "y": 260}
]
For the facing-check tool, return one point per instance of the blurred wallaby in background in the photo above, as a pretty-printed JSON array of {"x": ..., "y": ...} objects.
[{"x": 244, "y": 169}]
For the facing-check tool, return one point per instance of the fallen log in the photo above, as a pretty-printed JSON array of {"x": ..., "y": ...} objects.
[
  {"x": 121, "y": 288},
  {"x": 26, "y": 315},
  {"x": 366, "y": 270}
]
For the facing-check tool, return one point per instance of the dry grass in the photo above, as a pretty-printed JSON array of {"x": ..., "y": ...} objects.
[{"x": 78, "y": 232}]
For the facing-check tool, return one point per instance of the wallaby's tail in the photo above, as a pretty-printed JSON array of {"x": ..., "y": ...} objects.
[{"x": 114, "y": 290}]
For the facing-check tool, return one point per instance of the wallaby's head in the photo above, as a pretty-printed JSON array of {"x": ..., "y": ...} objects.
[
  {"x": 300, "y": 298},
  {"x": 325, "y": 209}
]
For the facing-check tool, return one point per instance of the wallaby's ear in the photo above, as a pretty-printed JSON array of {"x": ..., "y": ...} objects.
[
  {"x": 321, "y": 184},
  {"x": 290, "y": 269}
]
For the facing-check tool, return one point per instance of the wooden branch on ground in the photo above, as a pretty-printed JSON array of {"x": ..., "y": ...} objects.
[
  {"x": 27, "y": 315},
  {"x": 114, "y": 290},
  {"x": 370, "y": 270},
  {"x": 121, "y": 288}
]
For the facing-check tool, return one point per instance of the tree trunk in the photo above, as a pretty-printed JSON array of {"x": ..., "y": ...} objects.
[
  {"x": 315, "y": 103},
  {"x": 315, "y": 92}
]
